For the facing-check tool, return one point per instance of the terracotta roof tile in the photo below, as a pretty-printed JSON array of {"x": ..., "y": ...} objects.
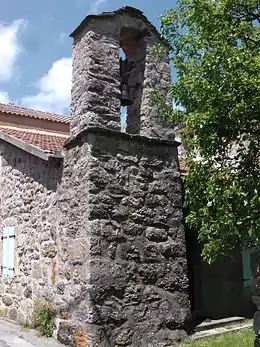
[
  {"x": 21, "y": 111},
  {"x": 46, "y": 142},
  {"x": 183, "y": 166}
]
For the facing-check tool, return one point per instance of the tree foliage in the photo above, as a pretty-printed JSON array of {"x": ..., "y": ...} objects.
[{"x": 215, "y": 52}]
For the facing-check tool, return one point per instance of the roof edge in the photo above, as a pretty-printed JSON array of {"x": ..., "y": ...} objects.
[
  {"x": 131, "y": 11},
  {"x": 53, "y": 117},
  {"x": 30, "y": 148}
]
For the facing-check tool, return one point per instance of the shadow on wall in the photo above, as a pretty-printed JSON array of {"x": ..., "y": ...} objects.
[{"x": 47, "y": 173}]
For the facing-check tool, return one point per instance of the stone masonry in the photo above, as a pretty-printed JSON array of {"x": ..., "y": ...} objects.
[
  {"x": 95, "y": 80},
  {"x": 99, "y": 234},
  {"x": 28, "y": 186},
  {"x": 122, "y": 257},
  {"x": 104, "y": 243},
  {"x": 157, "y": 77}
]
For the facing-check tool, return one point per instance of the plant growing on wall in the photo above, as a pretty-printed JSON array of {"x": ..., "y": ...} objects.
[
  {"x": 215, "y": 51},
  {"x": 43, "y": 318}
]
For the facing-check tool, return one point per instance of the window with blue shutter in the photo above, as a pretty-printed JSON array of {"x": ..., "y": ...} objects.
[
  {"x": 8, "y": 251},
  {"x": 247, "y": 273},
  {"x": 246, "y": 258}
]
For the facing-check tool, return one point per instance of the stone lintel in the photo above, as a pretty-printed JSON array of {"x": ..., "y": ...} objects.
[
  {"x": 113, "y": 133},
  {"x": 29, "y": 148}
]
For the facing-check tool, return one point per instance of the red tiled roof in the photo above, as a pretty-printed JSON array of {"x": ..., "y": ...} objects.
[
  {"x": 21, "y": 111},
  {"x": 46, "y": 142}
]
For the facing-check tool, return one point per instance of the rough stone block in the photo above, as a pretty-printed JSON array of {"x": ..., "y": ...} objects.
[
  {"x": 78, "y": 250},
  {"x": 7, "y": 300},
  {"x": 157, "y": 235}
]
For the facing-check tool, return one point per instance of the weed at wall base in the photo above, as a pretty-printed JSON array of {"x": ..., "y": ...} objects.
[{"x": 43, "y": 318}]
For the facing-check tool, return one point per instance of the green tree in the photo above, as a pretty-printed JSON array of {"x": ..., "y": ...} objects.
[{"x": 215, "y": 52}]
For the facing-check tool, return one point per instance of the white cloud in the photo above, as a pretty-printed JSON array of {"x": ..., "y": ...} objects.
[
  {"x": 95, "y": 6},
  {"x": 4, "y": 98},
  {"x": 63, "y": 37},
  {"x": 9, "y": 47},
  {"x": 54, "y": 89}
]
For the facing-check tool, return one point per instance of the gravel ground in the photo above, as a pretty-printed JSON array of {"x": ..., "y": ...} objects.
[{"x": 12, "y": 335}]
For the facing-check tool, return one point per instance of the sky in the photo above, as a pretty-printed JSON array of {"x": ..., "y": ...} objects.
[{"x": 35, "y": 47}]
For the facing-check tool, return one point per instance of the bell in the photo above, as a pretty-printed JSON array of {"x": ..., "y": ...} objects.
[{"x": 125, "y": 96}]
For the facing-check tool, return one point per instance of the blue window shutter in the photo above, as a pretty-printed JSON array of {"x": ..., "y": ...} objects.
[
  {"x": 11, "y": 252},
  {"x": 8, "y": 251},
  {"x": 5, "y": 250},
  {"x": 246, "y": 267},
  {"x": 247, "y": 272}
]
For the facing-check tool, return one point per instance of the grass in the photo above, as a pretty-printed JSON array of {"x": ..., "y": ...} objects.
[{"x": 243, "y": 338}]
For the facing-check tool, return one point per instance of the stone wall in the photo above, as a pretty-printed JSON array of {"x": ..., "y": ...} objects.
[
  {"x": 28, "y": 190},
  {"x": 122, "y": 269},
  {"x": 100, "y": 237}
]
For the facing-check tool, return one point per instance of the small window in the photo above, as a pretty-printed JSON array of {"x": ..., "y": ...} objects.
[
  {"x": 8, "y": 251},
  {"x": 250, "y": 259}
]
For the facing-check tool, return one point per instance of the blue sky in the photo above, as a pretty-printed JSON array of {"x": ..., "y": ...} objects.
[{"x": 35, "y": 47}]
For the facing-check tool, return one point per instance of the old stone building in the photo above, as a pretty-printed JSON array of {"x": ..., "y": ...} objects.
[
  {"x": 29, "y": 172},
  {"x": 91, "y": 217}
]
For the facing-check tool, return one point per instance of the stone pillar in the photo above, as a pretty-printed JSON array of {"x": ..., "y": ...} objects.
[
  {"x": 95, "y": 79},
  {"x": 122, "y": 243},
  {"x": 136, "y": 86},
  {"x": 157, "y": 77}
]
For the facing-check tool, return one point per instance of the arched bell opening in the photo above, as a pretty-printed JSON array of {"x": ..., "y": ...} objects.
[{"x": 132, "y": 65}]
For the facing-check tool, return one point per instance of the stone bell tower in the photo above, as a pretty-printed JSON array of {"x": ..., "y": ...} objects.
[
  {"x": 96, "y": 73},
  {"x": 122, "y": 254}
]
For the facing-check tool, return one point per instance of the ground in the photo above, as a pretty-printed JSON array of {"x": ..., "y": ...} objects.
[
  {"x": 244, "y": 338},
  {"x": 12, "y": 335}
]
